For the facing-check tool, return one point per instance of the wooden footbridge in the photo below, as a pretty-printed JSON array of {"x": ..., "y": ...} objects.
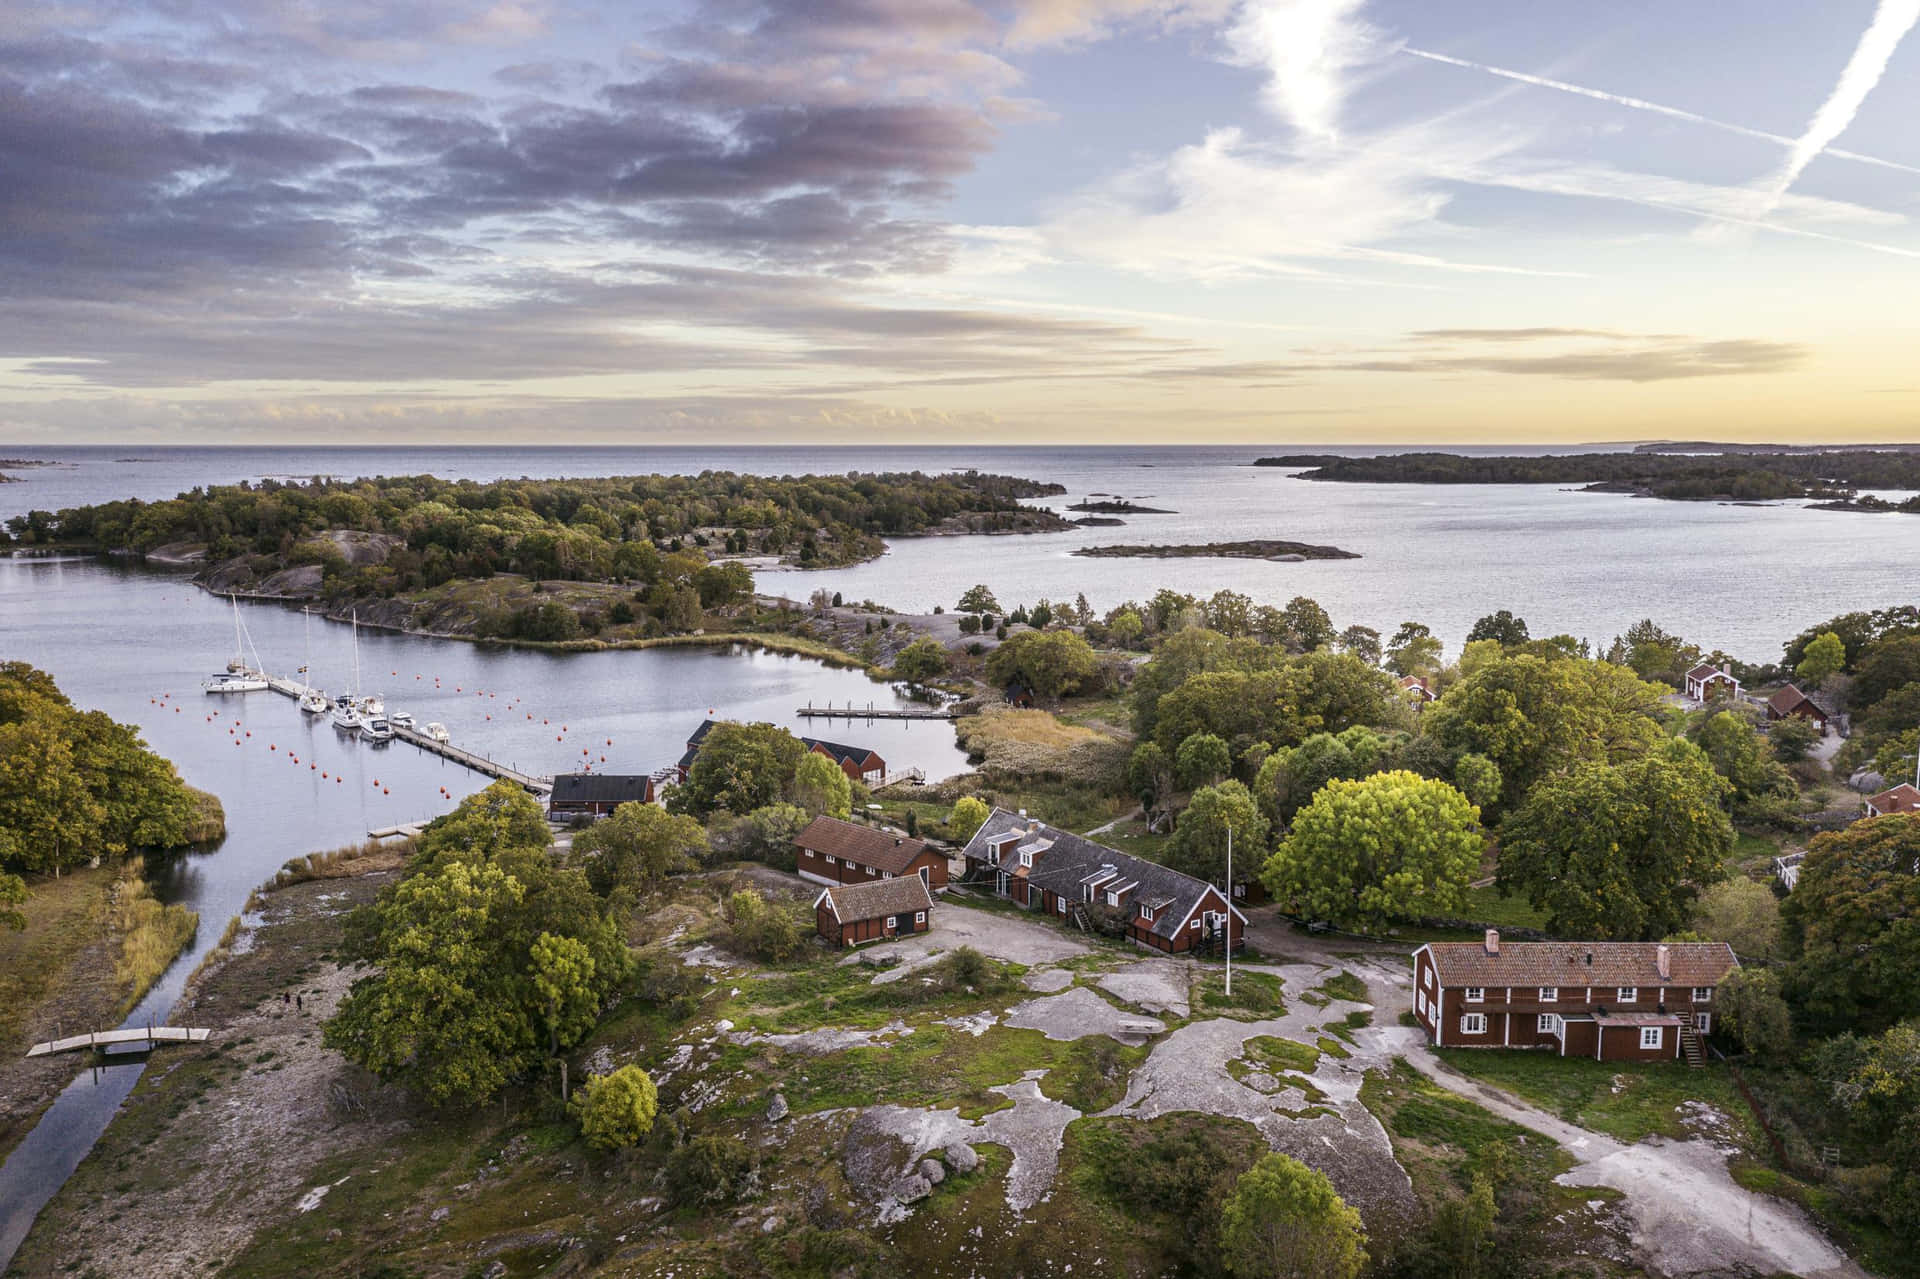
[
  {"x": 141, "y": 1036},
  {"x": 539, "y": 785},
  {"x": 870, "y": 711}
]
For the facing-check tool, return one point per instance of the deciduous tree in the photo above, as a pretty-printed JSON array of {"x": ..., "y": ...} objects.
[
  {"x": 920, "y": 661},
  {"x": 1362, "y": 852},
  {"x": 1284, "y": 1221},
  {"x": 616, "y": 1110},
  {"x": 1199, "y": 844},
  {"x": 1619, "y": 851},
  {"x": 1852, "y": 927},
  {"x": 637, "y": 847},
  {"x": 821, "y": 786},
  {"x": 978, "y": 599},
  {"x": 968, "y": 816},
  {"x": 1824, "y": 657},
  {"x": 740, "y": 767},
  {"x": 1202, "y": 760},
  {"x": 1051, "y": 663}
]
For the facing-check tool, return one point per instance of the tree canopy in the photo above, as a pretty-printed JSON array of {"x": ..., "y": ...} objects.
[
  {"x": 637, "y": 847},
  {"x": 821, "y": 786},
  {"x": 739, "y": 767},
  {"x": 616, "y": 1110},
  {"x": 1284, "y": 1221},
  {"x": 1391, "y": 845},
  {"x": 1199, "y": 844},
  {"x": 1051, "y": 663},
  {"x": 1852, "y": 927},
  {"x": 1619, "y": 851}
]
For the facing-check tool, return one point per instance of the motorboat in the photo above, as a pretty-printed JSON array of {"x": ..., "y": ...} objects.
[
  {"x": 401, "y": 719},
  {"x": 376, "y": 729},
  {"x": 438, "y": 732},
  {"x": 346, "y": 716},
  {"x": 371, "y": 707}
]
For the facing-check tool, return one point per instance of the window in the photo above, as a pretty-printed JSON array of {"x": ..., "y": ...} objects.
[
  {"x": 1026, "y": 859},
  {"x": 1429, "y": 979},
  {"x": 870, "y": 871},
  {"x": 1113, "y": 899},
  {"x": 1626, "y": 994},
  {"x": 1703, "y": 1022},
  {"x": 919, "y": 916},
  {"x": 1651, "y": 1036},
  {"x": 1702, "y": 994},
  {"x": 1194, "y": 926},
  {"x": 1549, "y": 1024},
  {"x": 1146, "y": 911},
  {"x": 1473, "y": 1024},
  {"x": 1549, "y": 994},
  {"x": 832, "y": 860},
  {"x": 1062, "y": 903},
  {"x": 1476, "y": 994}
]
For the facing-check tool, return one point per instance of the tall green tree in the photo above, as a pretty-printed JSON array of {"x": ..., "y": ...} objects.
[
  {"x": 1284, "y": 1221},
  {"x": 565, "y": 994},
  {"x": 1391, "y": 845},
  {"x": 1533, "y": 716},
  {"x": 978, "y": 599},
  {"x": 920, "y": 661},
  {"x": 1202, "y": 760},
  {"x": 1762, "y": 787},
  {"x": 1199, "y": 845},
  {"x": 1413, "y": 650},
  {"x": 1852, "y": 926},
  {"x": 1051, "y": 663},
  {"x": 1825, "y": 656},
  {"x": 740, "y": 767},
  {"x": 1308, "y": 626},
  {"x": 1620, "y": 851},
  {"x": 638, "y": 847},
  {"x": 821, "y": 786},
  {"x": 1501, "y": 627}
]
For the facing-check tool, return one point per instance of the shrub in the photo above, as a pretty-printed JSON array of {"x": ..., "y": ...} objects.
[
  {"x": 616, "y": 1110},
  {"x": 709, "y": 1170}
]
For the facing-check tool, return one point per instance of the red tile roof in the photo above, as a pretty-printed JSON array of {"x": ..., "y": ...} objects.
[
  {"x": 1900, "y": 799},
  {"x": 861, "y": 845},
  {"x": 1554, "y": 963}
]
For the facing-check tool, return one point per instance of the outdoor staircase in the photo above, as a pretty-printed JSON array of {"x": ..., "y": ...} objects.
[
  {"x": 1690, "y": 1046},
  {"x": 1080, "y": 919}
]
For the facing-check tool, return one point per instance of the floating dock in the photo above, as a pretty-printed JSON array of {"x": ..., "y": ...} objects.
[
  {"x": 478, "y": 763},
  {"x": 850, "y": 711}
]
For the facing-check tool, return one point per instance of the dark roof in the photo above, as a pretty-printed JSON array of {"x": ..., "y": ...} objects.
[
  {"x": 876, "y": 899},
  {"x": 1063, "y": 861},
  {"x": 1552, "y": 963},
  {"x": 600, "y": 788},
  {"x": 861, "y": 845},
  {"x": 1707, "y": 670},
  {"x": 841, "y": 752},
  {"x": 1790, "y": 699}
]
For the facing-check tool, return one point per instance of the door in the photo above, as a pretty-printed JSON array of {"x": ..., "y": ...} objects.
[
  {"x": 903, "y": 923},
  {"x": 1703, "y": 1022}
]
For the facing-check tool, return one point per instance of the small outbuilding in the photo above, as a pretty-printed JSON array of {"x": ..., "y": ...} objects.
[
  {"x": 1901, "y": 799},
  {"x": 1707, "y": 682},
  {"x": 850, "y": 914},
  {"x": 1790, "y": 703},
  {"x": 596, "y": 794}
]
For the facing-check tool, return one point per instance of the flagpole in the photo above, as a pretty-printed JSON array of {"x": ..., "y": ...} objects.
[{"x": 1229, "y": 912}]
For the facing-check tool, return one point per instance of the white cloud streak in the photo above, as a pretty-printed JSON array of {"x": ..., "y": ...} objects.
[
  {"x": 1641, "y": 104},
  {"x": 1309, "y": 49},
  {"x": 1892, "y": 19}
]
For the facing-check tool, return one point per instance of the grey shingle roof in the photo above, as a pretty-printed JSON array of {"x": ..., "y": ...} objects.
[
  {"x": 600, "y": 788},
  {"x": 877, "y": 898},
  {"x": 1067, "y": 860}
]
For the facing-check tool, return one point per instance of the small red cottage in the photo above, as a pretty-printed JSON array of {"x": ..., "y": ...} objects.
[
  {"x": 1415, "y": 689},
  {"x": 849, "y": 914},
  {"x": 1612, "y": 1001},
  {"x": 830, "y": 851},
  {"x": 1707, "y": 682},
  {"x": 1790, "y": 702},
  {"x": 1901, "y": 799}
]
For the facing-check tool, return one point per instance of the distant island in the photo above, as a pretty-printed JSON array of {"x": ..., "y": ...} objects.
[
  {"x": 1284, "y": 552},
  {"x": 1117, "y": 506},
  {"x": 1830, "y": 477}
]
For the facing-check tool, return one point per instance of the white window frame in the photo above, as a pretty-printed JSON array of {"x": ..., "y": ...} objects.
[
  {"x": 1146, "y": 911},
  {"x": 1547, "y": 1024},
  {"x": 1475, "y": 994},
  {"x": 1473, "y": 1023},
  {"x": 1429, "y": 979},
  {"x": 1703, "y": 1022},
  {"x": 1113, "y": 899},
  {"x": 1626, "y": 994},
  {"x": 832, "y": 860},
  {"x": 1026, "y": 860},
  {"x": 1549, "y": 994},
  {"x": 919, "y": 916},
  {"x": 1702, "y": 994},
  {"x": 1062, "y": 903},
  {"x": 1653, "y": 1037},
  {"x": 1194, "y": 927}
]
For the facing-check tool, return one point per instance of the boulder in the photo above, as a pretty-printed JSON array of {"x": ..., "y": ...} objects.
[
  {"x": 961, "y": 1157},
  {"x": 777, "y": 1108},
  {"x": 932, "y": 1171},
  {"x": 912, "y": 1189}
]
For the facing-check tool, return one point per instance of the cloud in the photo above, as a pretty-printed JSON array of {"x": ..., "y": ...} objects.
[
  {"x": 1596, "y": 355},
  {"x": 1309, "y": 50},
  {"x": 1039, "y": 23},
  {"x": 1641, "y": 104},
  {"x": 1892, "y": 19}
]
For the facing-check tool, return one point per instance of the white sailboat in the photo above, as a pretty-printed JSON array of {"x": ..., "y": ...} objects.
[
  {"x": 238, "y": 677},
  {"x": 312, "y": 700},
  {"x": 346, "y": 712}
]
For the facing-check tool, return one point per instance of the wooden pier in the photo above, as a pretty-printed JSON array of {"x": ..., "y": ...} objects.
[
  {"x": 870, "y": 711},
  {"x": 103, "y": 1039},
  {"x": 478, "y": 763}
]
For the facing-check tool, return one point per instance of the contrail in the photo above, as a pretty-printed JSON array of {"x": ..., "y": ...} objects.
[
  {"x": 1641, "y": 104},
  {"x": 1892, "y": 19}
]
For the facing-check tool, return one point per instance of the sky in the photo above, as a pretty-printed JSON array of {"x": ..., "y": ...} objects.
[{"x": 943, "y": 221}]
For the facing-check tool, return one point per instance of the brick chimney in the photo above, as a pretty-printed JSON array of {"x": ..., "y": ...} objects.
[
  {"x": 1493, "y": 941},
  {"x": 1663, "y": 960}
]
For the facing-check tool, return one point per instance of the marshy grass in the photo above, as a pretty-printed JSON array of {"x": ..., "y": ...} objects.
[
  {"x": 209, "y": 824},
  {"x": 152, "y": 935},
  {"x": 340, "y": 863}
]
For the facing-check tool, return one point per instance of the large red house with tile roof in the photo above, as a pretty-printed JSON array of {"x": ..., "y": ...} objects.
[
  {"x": 830, "y": 851},
  {"x": 1611, "y": 1001}
]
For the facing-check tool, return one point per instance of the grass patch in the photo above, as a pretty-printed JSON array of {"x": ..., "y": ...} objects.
[
  {"x": 1627, "y": 1100},
  {"x": 64, "y": 916},
  {"x": 152, "y": 935},
  {"x": 209, "y": 821},
  {"x": 1486, "y": 905},
  {"x": 1256, "y": 996},
  {"x": 1344, "y": 985},
  {"x": 1281, "y": 1054},
  {"x": 342, "y": 863}
]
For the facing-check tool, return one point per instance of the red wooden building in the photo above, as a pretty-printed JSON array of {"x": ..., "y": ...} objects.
[
  {"x": 1899, "y": 799},
  {"x": 849, "y": 914},
  {"x": 1612, "y": 1001},
  {"x": 830, "y": 851}
]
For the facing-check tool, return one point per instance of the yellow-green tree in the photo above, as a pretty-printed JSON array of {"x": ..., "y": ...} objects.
[
  {"x": 821, "y": 786},
  {"x": 637, "y": 847},
  {"x": 616, "y": 1110},
  {"x": 1391, "y": 845},
  {"x": 969, "y": 815},
  {"x": 1283, "y": 1220},
  {"x": 1825, "y": 656}
]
